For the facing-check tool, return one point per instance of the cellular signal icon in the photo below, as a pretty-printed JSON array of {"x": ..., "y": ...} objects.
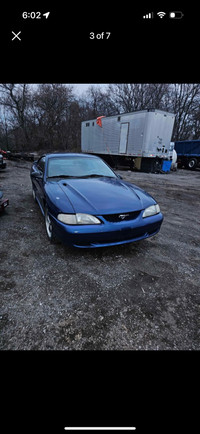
[{"x": 149, "y": 15}]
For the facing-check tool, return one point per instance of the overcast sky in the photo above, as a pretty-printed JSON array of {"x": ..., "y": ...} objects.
[{"x": 79, "y": 88}]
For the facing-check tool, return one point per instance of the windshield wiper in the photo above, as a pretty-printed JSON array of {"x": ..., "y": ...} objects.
[
  {"x": 95, "y": 175},
  {"x": 61, "y": 176}
]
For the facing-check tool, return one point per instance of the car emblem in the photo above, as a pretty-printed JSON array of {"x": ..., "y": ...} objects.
[{"x": 122, "y": 216}]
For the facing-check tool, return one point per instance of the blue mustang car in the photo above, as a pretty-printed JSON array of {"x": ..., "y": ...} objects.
[{"x": 86, "y": 204}]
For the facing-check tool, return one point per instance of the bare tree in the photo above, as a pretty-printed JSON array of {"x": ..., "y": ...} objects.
[
  {"x": 51, "y": 103},
  {"x": 183, "y": 100},
  {"x": 134, "y": 96},
  {"x": 15, "y": 99},
  {"x": 96, "y": 102}
]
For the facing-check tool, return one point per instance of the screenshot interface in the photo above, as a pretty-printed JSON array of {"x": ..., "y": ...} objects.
[{"x": 98, "y": 340}]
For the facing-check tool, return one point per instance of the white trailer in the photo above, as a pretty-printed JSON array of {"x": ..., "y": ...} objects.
[{"x": 139, "y": 139}]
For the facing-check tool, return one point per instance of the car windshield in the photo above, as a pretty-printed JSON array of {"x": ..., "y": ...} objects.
[{"x": 78, "y": 167}]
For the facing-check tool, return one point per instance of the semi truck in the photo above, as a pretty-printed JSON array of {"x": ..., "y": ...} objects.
[
  {"x": 188, "y": 153},
  {"x": 140, "y": 139}
]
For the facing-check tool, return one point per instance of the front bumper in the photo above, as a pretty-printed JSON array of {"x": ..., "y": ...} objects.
[{"x": 107, "y": 234}]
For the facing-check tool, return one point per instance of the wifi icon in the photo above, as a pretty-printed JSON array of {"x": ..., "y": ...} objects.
[{"x": 161, "y": 14}]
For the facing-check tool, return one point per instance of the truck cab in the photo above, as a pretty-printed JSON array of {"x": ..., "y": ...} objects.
[{"x": 188, "y": 153}]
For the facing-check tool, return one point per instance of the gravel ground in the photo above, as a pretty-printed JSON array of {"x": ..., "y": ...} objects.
[{"x": 140, "y": 296}]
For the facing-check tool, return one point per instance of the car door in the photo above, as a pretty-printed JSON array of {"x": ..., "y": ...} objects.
[{"x": 39, "y": 182}]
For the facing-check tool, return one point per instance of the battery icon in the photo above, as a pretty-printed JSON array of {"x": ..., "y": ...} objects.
[{"x": 177, "y": 15}]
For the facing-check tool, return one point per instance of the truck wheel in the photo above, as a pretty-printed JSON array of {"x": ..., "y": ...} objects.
[{"x": 192, "y": 163}]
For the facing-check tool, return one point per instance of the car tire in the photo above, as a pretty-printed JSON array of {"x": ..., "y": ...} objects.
[
  {"x": 49, "y": 226},
  {"x": 192, "y": 163}
]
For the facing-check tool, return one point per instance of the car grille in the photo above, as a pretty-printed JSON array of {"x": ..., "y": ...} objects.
[{"x": 114, "y": 218}]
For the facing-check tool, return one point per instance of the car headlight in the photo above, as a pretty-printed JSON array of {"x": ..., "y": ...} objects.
[
  {"x": 78, "y": 219},
  {"x": 68, "y": 219},
  {"x": 151, "y": 210},
  {"x": 87, "y": 219}
]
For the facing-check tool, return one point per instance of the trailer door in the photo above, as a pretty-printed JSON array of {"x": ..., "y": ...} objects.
[{"x": 123, "y": 137}]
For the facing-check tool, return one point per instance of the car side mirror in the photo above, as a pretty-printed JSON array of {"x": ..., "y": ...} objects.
[
  {"x": 37, "y": 174},
  {"x": 119, "y": 176}
]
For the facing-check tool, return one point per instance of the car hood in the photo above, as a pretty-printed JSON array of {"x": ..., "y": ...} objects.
[{"x": 97, "y": 196}]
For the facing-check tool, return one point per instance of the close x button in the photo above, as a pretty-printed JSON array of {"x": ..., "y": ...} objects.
[{"x": 16, "y": 35}]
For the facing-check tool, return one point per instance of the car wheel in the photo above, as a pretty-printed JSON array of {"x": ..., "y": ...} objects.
[{"x": 49, "y": 226}]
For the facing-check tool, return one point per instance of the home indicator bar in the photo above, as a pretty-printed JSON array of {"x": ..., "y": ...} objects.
[{"x": 98, "y": 428}]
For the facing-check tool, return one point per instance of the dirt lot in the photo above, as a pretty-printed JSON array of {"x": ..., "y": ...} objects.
[{"x": 140, "y": 296}]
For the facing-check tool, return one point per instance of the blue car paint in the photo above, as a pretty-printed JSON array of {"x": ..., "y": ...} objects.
[
  {"x": 100, "y": 197},
  {"x": 97, "y": 196},
  {"x": 108, "y": 234}
]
